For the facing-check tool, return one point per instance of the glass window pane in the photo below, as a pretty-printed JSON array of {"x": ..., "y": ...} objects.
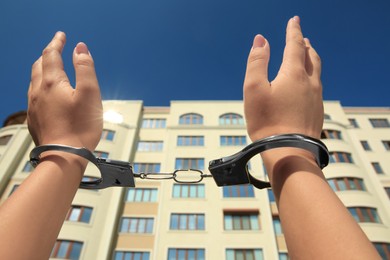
[
  {"x": 76, "y": 250},
  {"x": 176, "y": 190},
  {"x": 341, "y": 184},
  {"x": 230, "y": 254},
  {"x": 64, "y": 247},
  {"x": 254, "y": 222},
  {"x": 153, "y": 196},
  {"x": 86, "y": 215},
  {"x": 174, "y": 221},
  {"x": 184, "y": 191},
  {"x": 182, "y": 222},
  {"x": 130, "y": 194},
  {"x": 133, "y": 226},
  {"x": 201, "y": 191},
  {"x": 193, "y": 191},
  {"x": 228, "y": 222},
  {"x": 74, "y": 214}
]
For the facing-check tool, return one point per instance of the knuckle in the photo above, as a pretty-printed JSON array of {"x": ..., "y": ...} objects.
[
  {"x": 48, "y": 51},
  {"x": 257, "y": 56},
  {"x": 85, "y": 62}
]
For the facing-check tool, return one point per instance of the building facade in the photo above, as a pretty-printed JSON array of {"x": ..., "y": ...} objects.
[{"x": 162, "y": 219}]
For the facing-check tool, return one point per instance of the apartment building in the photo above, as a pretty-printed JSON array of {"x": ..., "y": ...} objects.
[{"x": 162, "y": 219}]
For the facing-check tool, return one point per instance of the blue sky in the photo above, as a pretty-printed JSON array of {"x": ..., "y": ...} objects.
[{"x": 162, "y": 50}]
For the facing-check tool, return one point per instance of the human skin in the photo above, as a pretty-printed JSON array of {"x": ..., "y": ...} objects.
[
  {"x": 57, "y": 114},
  {"x": 315, "y": 223}
]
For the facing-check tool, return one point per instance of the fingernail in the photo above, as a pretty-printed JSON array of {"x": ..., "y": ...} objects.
[
  {"x": 296, "y": 19},
  {"x": 258, "y": 41},
  {"x": 82, "y": 48}
]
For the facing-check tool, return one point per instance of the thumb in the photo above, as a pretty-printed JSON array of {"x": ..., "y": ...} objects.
[
  {"x": 86, "y": 80},
  {"x": 257, "y": 65}
]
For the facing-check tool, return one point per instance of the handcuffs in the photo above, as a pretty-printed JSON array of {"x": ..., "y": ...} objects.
[{"x": 226, "y": 171}]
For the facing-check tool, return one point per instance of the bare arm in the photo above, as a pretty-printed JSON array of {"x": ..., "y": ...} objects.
[
  {"x": 315, "y": 222},
  {"x": 57, "y": 114}
]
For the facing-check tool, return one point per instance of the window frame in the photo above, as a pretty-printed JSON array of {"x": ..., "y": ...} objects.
[
  {"x": 241, "y": 220},
  {"x": 190, "y": 140},
  {"x": 84, "y": 211},
  {"x": 141, "y": 195},
  {"x": 361, "y": 214},
  {"x": 177, "y": 253},
  {"x": 191, "y": 119},
  {"x": 69, "y": 249},
  {"x": 228, "y": 119},
  {"x": 232, "y": 140},
  {"x": 136, "y": 225},
  {"x": 187, "y": 191},
  {"x": 187, "y": 221},
  {"x": 241, "y": 191},
  {"x": 192, "y": 163},
  {"x": 334, "y": 183},
  {"x": 154, "y": 123}
]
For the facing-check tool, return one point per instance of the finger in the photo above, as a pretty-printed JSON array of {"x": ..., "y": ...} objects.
[
  {"x": 295, "y": 50},
  {"x": 86, "y": 80},
  {"x": 52, "y": 65},
  {"x": 257, "y": 66},
  {"x": 36, "y": 74},
  {"x": 313, "y": 61}
]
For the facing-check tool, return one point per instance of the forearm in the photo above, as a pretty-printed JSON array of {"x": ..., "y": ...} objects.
[
  {"x": 315, "y": 223},
  {"x": 35, "y": 212}
]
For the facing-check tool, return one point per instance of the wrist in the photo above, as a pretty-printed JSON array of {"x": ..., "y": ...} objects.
[
  {"x": 73, "y": 164},
  {"x": 286, "y": 160}
]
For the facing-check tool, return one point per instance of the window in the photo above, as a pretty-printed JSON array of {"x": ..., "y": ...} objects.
[
  {"x": 364, "y": 214},
  {"x": 190, "y": 140},
  {"x": 14, "y": 188},
  {"x": 327, "y": 117},
  {"x": 244, "y": 254},
  {"x": 346, "y": 183},
  {"x": 283, "y": 256},
  {"x": 27, "y": 167},
  {"x": 386, "y": 144},
  {"x": 66, "y": 249},
  {"x": 231, "y": 119},
  {"x": 189, "y": 163},
  {"x": 331, "y": 134},
  {"x": 191, "y": 119},
  {"x": 187, "y": 221},
  {"x": 238, "y": 191},
  {"x": 146, "y": 167},
  {"x": 188, "y": 191},
  {"x": 154, "y": 123},
  {"x": 185, "y": 254},
  {"x": 107, "y": 135},
  {"x": 232, "y": 140},
  {"x": 379, "y": 122},
  {"x": 365, "y": 145},
  {"x": 141, "y": 195},
  {"x": 277, "y": 225},
  {"x": 377, "y": 167},
  {"x": 101, "y": 154},
  {"x": 241, "y": 220},
  {"x": 149, "y": 146},
  {"x": 125, "y": 255},
  {"x": 79, "y": 214},
  {"x": 342, "y": 157},
  {"x": 387, "y": 189},
  {"x": 353, "y": 122},
  {"x": 383, "y": 249},
  {"x": 5, "y": 139},
  {"x": 271, "y": 195},
  {"x": 136, "y": 225}
]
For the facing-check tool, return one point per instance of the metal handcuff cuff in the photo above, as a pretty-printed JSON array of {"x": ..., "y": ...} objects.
[{"x": 226, "y": 171}]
